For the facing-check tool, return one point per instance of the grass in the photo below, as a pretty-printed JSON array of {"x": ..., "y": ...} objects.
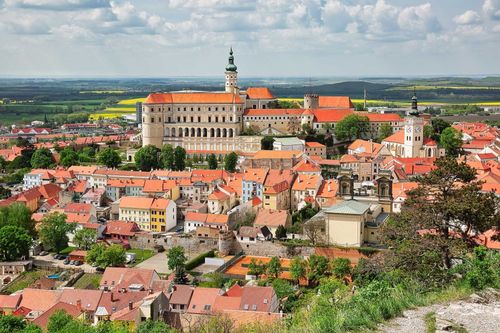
[
  {"x": 430, "y": 322},
  {"x": 88, "y": 281},
  {"x": 141, "y": 254},
  {"x": 25, "y": 280},
  {"x": 67, "y": 250}
]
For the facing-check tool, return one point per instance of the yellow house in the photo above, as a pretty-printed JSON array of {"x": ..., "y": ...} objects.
[
  {"x": 136, "y": 209},
  {"x": 163, "y": 215}
]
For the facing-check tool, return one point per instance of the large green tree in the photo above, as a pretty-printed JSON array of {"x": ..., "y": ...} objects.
[
  {"x": 317, "y": 267},
  {"x": 385, "y": 131},
  {"x": 451, "y": 141},
  {"x": 150, "y": 326},
  {"x": 42, "y": 158},
  {"x": 102, "y": 256},
  {"x": 439, "y": 220},
  {"x": 439, "y": 125},
  {"x": 85, "y": 238},
  {"x": 16, "y": 324},
  {"x": 147, "y": 158},
  {"x": 177, "y": 262},
  {"x": 212, "y": 162},
  {"x": 54, "y": 231},
  {"x": 267, "y": 143},
  {"x": 69, "y": 157},
  {"x": 15, "y": 243},
  {"x": 18, "y": 215},
  {"x": 352, "y": 127},
  {"x": 180, "y": 158},
  {"x": 167, "y": 157},
  {"x": 297, "y": 269},
  {"x": 230, "y": 162},
  {"x": 274, "y": 268},
  {"x": 109, "y": 157}
]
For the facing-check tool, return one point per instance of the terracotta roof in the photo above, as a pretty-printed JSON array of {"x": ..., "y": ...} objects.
[
  {"x": 202, "y": 300},
  {"x": 339, "y": 102},
  {"x": 136, "y": 202},
  {"x": 113, "y": 276},
  {"x": 277, "y": 154},
  {"x": 74, "y": 207},
  {"x": 328, "y": 189},
  {"x": 193, "y": 98},
  {"x": 398, "y": 137},
  {"x": 331, "y": 115},
  {"x": 78, "y": 218},
  {"x": 381, "y": 117},
  {"x": 49, "y": 190},
  {"x": 9, "y": 301},
  {"x": 158, "y": 185},
  {"x": 306, "y": 181},
  {"x": 207, "y": 218},
  {"x": 121, "y": 228},
  {"x": 248, "y": 231},
  {"x": 259, "y": 93},
  {"x": 312, "y": 144},
  {"x": 225, "y": 303},
  {"x": 257, "y": 298},
  {"x": 429, "y": 142},
  {"x": 43, "y": 320},
  {"x": 125, "y": 182},
  {"x": 89, "y": 299},
  {"x": 271, "y": 217},
  {"x": 160, "y": 203},
  {"x": 39, "y": 299},
  {"x": 218, "y": 195},
  {"x": 306, "y": 166},
  {"x": 401, "y": 189},
  {"x": 181, "y": 294},
  {"x": 364, "y": 146},
  {"x": 255, "y": 175}
]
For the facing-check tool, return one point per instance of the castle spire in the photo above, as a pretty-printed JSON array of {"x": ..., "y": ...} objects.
[
  {"x": 414, "y": 101},
  {"x": 231, "y": 67}
]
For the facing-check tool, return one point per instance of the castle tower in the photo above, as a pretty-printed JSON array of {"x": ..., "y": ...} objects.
[
  {"x": 231, "y": 75},
  {"x": 414, "y": 136},
  {"x": 311, "y": 101},
  {"x": 414, "y": 101},
  {"x": 152, "y": 125}
]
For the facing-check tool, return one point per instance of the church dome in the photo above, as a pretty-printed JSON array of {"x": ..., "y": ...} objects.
[{"x": 231, "y": 67}]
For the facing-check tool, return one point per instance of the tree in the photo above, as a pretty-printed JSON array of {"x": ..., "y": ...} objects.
[
  {"x": 451, "y": 141},
  {"x": 230, "y": 162},
  {"x": 15, "y": 242},
  {"x": 84, "y": 238},
  {"x": 385, "y": 131},
  {"x": 16, "y": 324},
  {"x": 212, "y": 162},
  {"x": 58, "y": 321},
  {"x": 54, "y": 231},
  {"x": 42, "y": 159},
  {"x": 146, "y": 158},
  {"x": 317, "y": 267},
  {"x": 256, "y": 268},
  {"x": 428, "y": 131},
  {"x": 274, "y": 268},
  {"x": 439, "y": 220},
  {"x": 69, "y": 157},
  {"x": 167, "y": 157},
  {"x": 3, "y": 164},
  {"x": 307, "y": 129},
  {"x": 341, "y": 268},
  {"x": 18, "y": 215},
  {"x": 267, "y": 143},
  {"x": 314, "y": 230},
  {"x": 176, "y": 257},
  {"x": 150, "y": 326},
  {"x": 297, "y": 269},
  {"x": 180, "y": 158},
  {"x": 438, "y": 124},
  {"x": 5, "y": 193},
  {"x": 102, "y": 256},
  {"x": 280, "y": 232},
  {"x": 109, "y": 157},
  {"x": 352, "y": 127}
]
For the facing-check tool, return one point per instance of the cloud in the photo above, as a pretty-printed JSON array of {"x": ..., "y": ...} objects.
[
  {"x": 59, "y": 5},
  {"x": 491, "y": 9},
  {"x": 467, "y": 18}
]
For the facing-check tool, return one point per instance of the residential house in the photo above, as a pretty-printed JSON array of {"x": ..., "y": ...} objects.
[
  {"x": 121, "y": 231},
  {"x": 291, "y": 143},
  {"x": 163, "y": 215},
  {"x": 221, "y": 200},
  {"x": 194, "y": 220},
  {"x": 136, "y": 209},
  {"x": 272, "y": 219},
  {"x": 253, "y": 183},
  {"x": 168, "y": 189},
  {"x": 117, "y": 188},
  {"x": 131, "y": 279},
  {"x": 277, "y": 189},
  {"x": 305, "y": 186},
  {"x": 249, "y": 234},
  {"x": 315, "y": 149}
]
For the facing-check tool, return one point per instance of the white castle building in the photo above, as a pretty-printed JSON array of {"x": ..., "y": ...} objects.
[{"x": 200, "y": 120}]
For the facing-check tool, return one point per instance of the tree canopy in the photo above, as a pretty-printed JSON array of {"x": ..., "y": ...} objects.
[
  {"x": 102, "y": 256},
  {"x": 147, "y": 158},
  {"x": 230, "y": 162},
  {"x": 15, "y": 243},
  {"x": 54, "y": 231},
  {"x": 109, "y": 157},
  {"x": 451, "y": 141},
  {"x": 85, "y": 238},
  {"x": 212, "y": 162},
  {"x": 179, "y": 158},
  {"x": 69, "y": 157},
  {"x": 167, "y": 157},
  {"x": 385, "y": 131},
  {"x": 42, "y": 158},
  {"x": 351, "y": 127}
]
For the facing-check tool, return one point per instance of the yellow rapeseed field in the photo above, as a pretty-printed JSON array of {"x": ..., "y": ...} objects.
[{"x": 131, "y": 101}]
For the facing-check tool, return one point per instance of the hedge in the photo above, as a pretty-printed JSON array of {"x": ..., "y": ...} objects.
[{"x": 198, "y": 260}]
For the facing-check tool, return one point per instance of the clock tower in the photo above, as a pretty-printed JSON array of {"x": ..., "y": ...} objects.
[{"x": 414, "y": 136}]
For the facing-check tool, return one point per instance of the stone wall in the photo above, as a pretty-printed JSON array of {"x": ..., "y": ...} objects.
[{"x": 271, "y": 249}]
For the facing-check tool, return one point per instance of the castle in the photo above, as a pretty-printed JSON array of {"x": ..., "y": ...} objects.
[{"x": 204, "y": 121}]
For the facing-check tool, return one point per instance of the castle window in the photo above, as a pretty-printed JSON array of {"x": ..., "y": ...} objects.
[
  {"x": 223, "y": 108},
  {"x": 199, "y": 109},
  {"x": 169, "y": 119},
  {"x": 216, "y": 109},
  {"x": 178, "y": 109},
  {"x": 209, "y": 108},
  {"x": 178, "y": 119},
  {"x": 199, "y": 119},
  {"x": 152, "y": 119},
  {"x": 184, "y": 109},
  {"x": 143, "y": 119},
  {"x": 192, "y": 109}
]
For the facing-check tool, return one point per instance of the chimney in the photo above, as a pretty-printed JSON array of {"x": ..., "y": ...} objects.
[
  {"x": 130, "y": 305},
  {"x": 79, "y": 304}
]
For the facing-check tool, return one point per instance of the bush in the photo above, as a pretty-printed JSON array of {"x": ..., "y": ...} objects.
[
  {"x": 198, "y": 260},
  {"x": 482, "y": 270}
]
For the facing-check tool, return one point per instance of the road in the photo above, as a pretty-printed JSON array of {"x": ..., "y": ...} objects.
[{"x": 48, "y": 261}]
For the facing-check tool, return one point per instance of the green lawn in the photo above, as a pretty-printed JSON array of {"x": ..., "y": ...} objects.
[
  {"x": 25, "y": 280},
  {"x": 141, "y": 254},
  {"x": 88, "y": 281}
]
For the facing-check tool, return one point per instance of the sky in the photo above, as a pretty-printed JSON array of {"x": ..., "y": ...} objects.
[{"x": 270, "y": 38}]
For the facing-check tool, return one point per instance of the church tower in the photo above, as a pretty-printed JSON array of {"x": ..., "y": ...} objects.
[
  {"x": 231, "y": 75},
  {"x": 414, "y": 102},
  {"x": 414, "y": 136}
]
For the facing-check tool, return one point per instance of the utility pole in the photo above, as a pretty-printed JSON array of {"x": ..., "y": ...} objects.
[{"x": 364, "y": 107}]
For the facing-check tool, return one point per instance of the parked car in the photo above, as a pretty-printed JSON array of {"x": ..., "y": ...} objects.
[
  {"x": 56, "y": 256},
  {"x": 78, "y": 263},
  {"x": 43, "y": 253},
  {"x": 66, "y": 261},
  {"x": 62, "y": 256},
  {"x": 72, "y": 262},
  {"x": 100, "y": 269}
]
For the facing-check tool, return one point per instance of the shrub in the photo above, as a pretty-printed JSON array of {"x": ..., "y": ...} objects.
[{"x": 198, "y": 260}]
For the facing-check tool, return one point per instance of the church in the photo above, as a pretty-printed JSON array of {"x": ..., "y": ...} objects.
[{"x": 204, "y": 121}]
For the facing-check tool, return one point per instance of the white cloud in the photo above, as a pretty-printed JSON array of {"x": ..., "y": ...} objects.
[
  {"x": 57, "y": 4},
  {"x": 492, "y": 9},
  {"x": 469, "y": 17}
]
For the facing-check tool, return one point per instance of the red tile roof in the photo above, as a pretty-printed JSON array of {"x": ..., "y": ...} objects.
[
  {"x": 193, "y": 98},
  {"x": 338, "y": 102},
  {"x": 271, "y": 217},
  {"x": 259, "y": 93},
  {"x": 121, "y": 228},
  {"x": 398, "y": 137},
  {"x": 202, "y": 300},
  {"x": 43, "y": 320},
  {"x": 331, "y": 115},
  {"x": 273, "y": 112}
]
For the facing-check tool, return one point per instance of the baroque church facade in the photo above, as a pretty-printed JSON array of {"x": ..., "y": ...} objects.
[{"x": 199, "y": 120}]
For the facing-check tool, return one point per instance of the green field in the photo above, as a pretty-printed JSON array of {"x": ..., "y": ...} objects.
[
  {"x": 141, "y": 255},
  {"x": 25, "y": 280},
  {"x": 88, "y": 281}
]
